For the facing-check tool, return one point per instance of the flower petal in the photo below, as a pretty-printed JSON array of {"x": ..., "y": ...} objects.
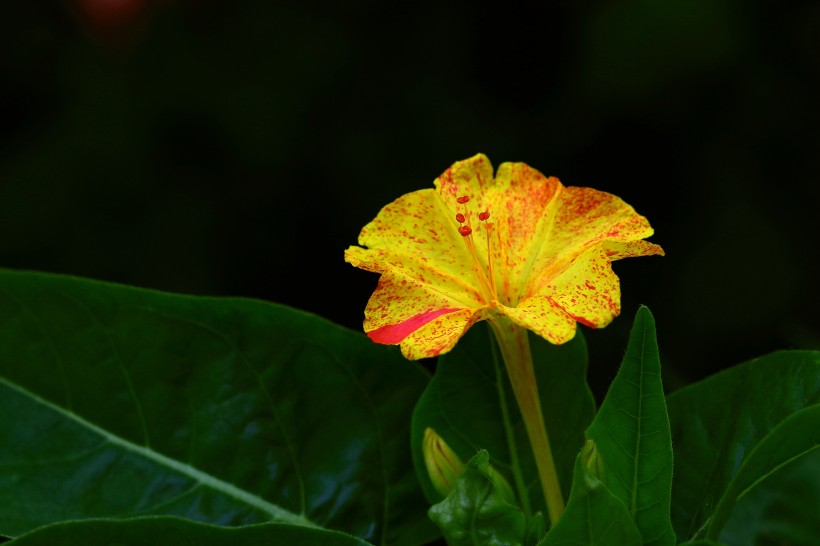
[
  {"x": 586, "y": 218},
  {"x": 544, "y": 317},
  {"x": 523, "y": 202},
  {"x": 392, "y": 334},
  {"x": 471, "y": 177},
  {"x": 535, "y": 251},
  {"x": 440, "y": 335},
  {"x": 616, "y": 250},
  {"x": 408, "y": 312},
  {"x": 588, "y": 291},
  {"x": 413, "y": 238}
]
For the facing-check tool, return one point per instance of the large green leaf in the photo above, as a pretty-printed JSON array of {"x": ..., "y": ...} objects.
[
  {"x": 593, "y": 517},
  {"x": 782, "y": 509},
  {"x": 797, "y": 435},
  {"x": 631, "y": 431},
  {"x": 476, "y": 513},
  {"x": 470, "y": 404},
  {"x": 117, "y": 401},
  {"x": 717, "y": 422},
  {"x": 173, "y": 531}
]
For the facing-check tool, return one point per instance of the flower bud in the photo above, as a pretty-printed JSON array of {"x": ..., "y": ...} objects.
[
  {"x": 443, "y": 465},
  {"x": 592, "y": 460}
]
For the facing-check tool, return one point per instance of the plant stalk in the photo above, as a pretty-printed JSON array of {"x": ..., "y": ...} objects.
[{"x": 515, "y": 349}]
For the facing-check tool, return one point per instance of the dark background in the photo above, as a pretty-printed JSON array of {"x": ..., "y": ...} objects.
[{"x": 236, "y": 148}]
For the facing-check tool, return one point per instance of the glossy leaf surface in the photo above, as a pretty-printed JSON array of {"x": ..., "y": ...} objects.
[
  {"x": 470, "y": 404},
  {"x": 631, "y": 431},
  {"x": 717, "y": 422},
  {"x": 118, "y": 402}
]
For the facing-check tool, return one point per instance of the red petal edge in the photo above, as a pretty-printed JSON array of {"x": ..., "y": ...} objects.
[{"x": 395, "y": 333}]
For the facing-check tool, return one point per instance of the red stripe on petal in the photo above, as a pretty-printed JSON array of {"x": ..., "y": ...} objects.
[{"x": 395, "y": 333}]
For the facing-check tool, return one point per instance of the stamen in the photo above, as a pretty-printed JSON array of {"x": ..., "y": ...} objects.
[
  {"x": 486, "y": 284},
  {"x": 481, "y": 275},
  {"x": 489, "y": 227}
]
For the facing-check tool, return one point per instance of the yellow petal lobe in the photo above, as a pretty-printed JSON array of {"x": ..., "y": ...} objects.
[
  {"x": 588, "y": 290},
  {"x": 440, "y": 335},
  {"x": 412, "y": 236},
  {"x": 426, "y": 273},
  {"x": 617, "y": 250},
  {"x": 471, "y": 177}
]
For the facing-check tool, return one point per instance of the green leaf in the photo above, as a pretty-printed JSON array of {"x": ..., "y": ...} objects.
[
  {"x": 796, "y": 435},
  {"x": 475, "y": 512},
  {"x": 701, "y": 543},
  {"x": 782, "y": 509},
  {"x": 118, "y": 402},
  {"x": 631, "y": 431},
  {"x": 718, "y": 421},
  {"x": 593, "y": 516},
  {"x": 536, "y": 529},
  {"x": 173, "y": 531},
  {"x": 469, "y": 402}
]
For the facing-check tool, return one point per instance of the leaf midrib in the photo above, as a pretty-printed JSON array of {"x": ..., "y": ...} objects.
[
  {"x": 634, "y": 492},
  {"x": 276, "y": 512}
]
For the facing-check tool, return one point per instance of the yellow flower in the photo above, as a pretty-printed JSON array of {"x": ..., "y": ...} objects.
[{"x": 517, "y": 245}]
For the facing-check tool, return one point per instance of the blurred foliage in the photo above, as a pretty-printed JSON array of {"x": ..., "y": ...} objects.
[{"x": 236, "y": 148}]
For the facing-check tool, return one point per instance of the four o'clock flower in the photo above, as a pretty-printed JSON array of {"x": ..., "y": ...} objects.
[
  {"x": 517, "y": 249},
  {"x": 517, "y": 245}
]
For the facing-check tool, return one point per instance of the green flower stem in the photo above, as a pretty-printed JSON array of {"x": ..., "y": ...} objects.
[
  {"x": 514, "y": 461},
  {"x": 515, "y": 349}
]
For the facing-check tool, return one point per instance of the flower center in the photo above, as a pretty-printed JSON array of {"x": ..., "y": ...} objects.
[{"x": 483, "y": 269}]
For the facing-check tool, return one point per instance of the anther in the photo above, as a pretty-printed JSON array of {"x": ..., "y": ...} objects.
[
  {"x": 465, "y": 230},
  {"x": 463, "y": 199},
  {"x": 483, "y": 215},
  {"x": 460, "y": 218}
]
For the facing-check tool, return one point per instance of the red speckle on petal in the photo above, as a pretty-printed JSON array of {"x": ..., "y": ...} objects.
[{"x": 433, "y": 351}]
